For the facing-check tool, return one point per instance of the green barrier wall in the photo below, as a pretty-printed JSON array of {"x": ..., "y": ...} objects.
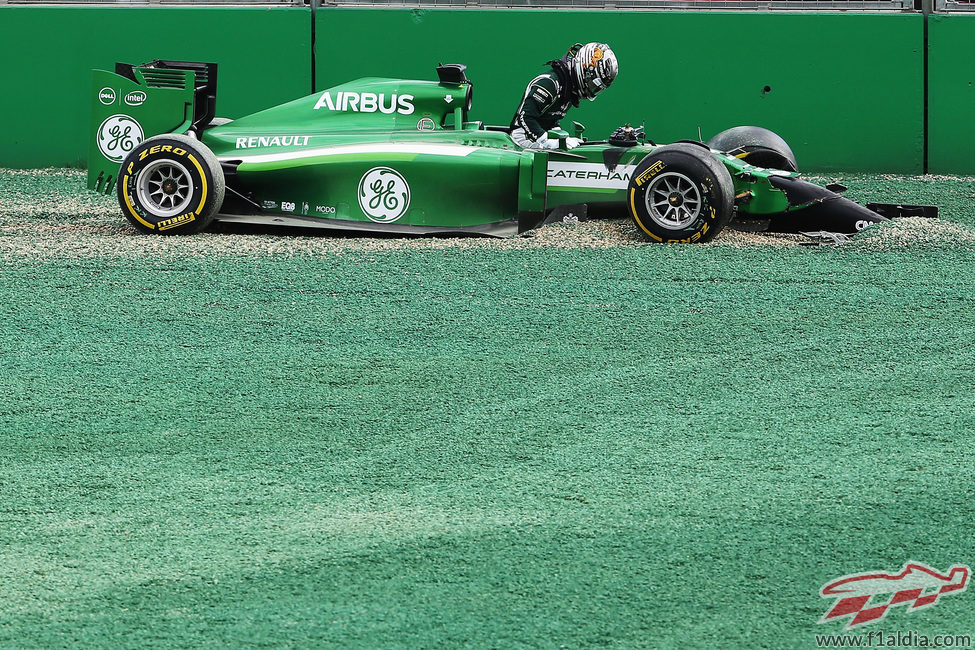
[
  {"x": 951, "y": 95},
  {"x": 47, "y": 54},
  {"x": 846, "y": 90},
  {"x": 822, "y": 81}
]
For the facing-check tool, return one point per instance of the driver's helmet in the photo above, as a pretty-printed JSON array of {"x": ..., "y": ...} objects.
[{"x": 593, "y": 67}]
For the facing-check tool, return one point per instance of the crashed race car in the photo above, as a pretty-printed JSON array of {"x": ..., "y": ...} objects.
[{"x": 402, "y": 156}]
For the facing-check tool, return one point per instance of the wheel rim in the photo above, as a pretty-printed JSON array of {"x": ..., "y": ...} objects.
[
  {"x": 165, "y": 188},
  {"x": 673, "y": 201}
]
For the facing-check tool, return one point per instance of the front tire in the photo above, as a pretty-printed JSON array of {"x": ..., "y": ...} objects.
[
  {"x": 681, "y": 193},
  {"x": 170, "y": 185},
  {"x": 756, "y": 146}
]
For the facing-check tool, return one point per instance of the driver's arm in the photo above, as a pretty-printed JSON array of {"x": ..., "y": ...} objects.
[{"x": 529, "y": 130}]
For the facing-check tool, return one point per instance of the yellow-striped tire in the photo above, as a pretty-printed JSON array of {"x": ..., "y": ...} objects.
[
  {"x": 170, "y": 185},
  {"x": 680, "y": 193}
]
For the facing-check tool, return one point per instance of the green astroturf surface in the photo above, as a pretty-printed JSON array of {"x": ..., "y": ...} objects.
[{"x": 655, "y": 446}]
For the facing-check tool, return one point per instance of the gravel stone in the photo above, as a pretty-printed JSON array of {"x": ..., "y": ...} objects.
[{"x": 48, "y": 213}]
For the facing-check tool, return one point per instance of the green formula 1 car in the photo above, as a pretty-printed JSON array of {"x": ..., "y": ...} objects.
[{"x": 402, "y": 156}]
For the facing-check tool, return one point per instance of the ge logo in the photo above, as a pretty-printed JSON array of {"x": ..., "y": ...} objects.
[
  {"x": 117, "y": 136},
  {"x": 384, "y": 195}
]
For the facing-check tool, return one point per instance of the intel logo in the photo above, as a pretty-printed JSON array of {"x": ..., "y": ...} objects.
[
  {"x": 135, "y": 98},
  {"x": 106, "y": 96}
]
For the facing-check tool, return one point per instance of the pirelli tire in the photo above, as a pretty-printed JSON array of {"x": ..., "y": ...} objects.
[
  {"x": 756, "y": 146},
  {"x": 681, "y": 193},
  {"x": 170, "y": 185}
]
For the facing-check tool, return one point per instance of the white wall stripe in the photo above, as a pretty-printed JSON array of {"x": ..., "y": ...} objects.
[{"x": 456, "y": 150}]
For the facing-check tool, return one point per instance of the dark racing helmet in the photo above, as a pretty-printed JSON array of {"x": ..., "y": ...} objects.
[{"x": 593, "y": 67}]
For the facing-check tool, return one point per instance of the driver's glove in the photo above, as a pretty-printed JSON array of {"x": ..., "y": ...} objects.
[
  {"x": 572, "y": 143},
  {"x": 545, "y": 142}
]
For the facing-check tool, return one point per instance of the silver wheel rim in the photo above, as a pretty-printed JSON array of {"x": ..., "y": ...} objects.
[
  {"x": 673, "y": 201},
  {"x": 165, "y": 188}
]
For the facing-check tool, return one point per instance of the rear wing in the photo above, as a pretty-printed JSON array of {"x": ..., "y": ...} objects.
[{"x": 137, "y": 102}]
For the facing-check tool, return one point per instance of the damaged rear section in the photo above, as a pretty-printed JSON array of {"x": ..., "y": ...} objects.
[{"x": 137, "y": 102}]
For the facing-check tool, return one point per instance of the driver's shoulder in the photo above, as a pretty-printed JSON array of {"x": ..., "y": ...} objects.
[{"x": 548, "y": 81}]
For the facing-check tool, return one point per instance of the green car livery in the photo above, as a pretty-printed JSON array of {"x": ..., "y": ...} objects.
[{"x": 403, "y": 156}]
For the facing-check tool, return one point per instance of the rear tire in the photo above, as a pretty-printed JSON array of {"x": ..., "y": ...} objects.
[
  {"x": 680, "y": 193},
  {"x": 756, "y": 146},
  {"x": 170, "y": 185}
]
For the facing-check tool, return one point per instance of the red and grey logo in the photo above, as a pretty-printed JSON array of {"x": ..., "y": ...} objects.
[{"x": 916, "y": 586}]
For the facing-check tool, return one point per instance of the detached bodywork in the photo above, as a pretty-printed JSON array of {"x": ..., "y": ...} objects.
[{"x": 403, "y": 156}]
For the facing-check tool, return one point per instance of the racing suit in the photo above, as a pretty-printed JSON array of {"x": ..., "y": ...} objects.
[{"x": 546, "y": 101}]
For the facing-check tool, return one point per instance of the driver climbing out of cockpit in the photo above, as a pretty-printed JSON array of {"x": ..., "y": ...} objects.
[{"x": 584, "y": 72}]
